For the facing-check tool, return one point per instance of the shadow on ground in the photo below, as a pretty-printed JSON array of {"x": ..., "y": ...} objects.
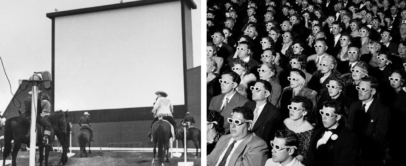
[{"x": 104, "y": 158}]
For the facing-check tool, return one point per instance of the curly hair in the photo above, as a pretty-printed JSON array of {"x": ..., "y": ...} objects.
[{"x": 217, "y": 118}]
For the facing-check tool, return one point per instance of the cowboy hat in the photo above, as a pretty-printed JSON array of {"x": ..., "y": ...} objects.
[
  {"x": 162, "y": 93},
  {"x": 86, "y": 113}
]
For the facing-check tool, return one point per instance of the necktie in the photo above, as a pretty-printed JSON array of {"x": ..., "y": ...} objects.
[
  {"x": 318, "y": 59},
  {"x": 255, "y": 116},
  {"x": 363, "y": 107},
  {"x": 225, "y": 104},
  {"x": 229, "y": 149}
]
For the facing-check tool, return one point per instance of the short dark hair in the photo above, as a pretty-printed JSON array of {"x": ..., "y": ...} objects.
[
  {"x": 372, "y": 81},
  {"x": 307, "y": 104},
  {"x": 290, "y": 138},
  {"x": 246, "y": 43},
  {"x": 336, "y": 105},
  {"x": 236, "y": 77},
  {"x": 219, "y": 31},
  {"x": 214, "y": 116},
  {"x": 267, "y": 85},
  {"x": 245, "y": 111}
]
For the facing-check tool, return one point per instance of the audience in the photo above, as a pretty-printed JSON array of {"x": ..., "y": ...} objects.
[{"x": 304, "y": 67}]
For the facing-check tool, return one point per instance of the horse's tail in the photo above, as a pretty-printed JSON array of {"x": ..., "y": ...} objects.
[
  {"x": 83, "y": 138},
  {"x": 161, "y": 140},
  {"x": 8, "y": 136}
]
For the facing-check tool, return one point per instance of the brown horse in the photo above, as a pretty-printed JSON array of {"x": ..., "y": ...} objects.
[
  {"x": 161, "y": 133},
  {"x": 17, "y": 128},
  {"x": 84, "y": 139},
  {"x": 193, "y": 134}
]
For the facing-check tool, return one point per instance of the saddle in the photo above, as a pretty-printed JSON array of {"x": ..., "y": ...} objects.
[
  {"x": 172, "y": 129},
  {"x": 86, "y": 127}
]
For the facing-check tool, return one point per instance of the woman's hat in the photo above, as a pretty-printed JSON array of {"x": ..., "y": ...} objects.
[{"x": 162, "y": 93}]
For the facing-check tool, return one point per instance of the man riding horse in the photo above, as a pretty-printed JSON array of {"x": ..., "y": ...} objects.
[
  {"x": 84, "y": 122},
  {"x": 189, "y": 120},
  {"x": 41, "y": 115},
  {"x": 162, "y": 108}
]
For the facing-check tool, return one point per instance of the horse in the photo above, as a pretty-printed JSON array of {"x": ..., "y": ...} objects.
[
  {"x": 61, "y": 126},
  {"x": 161, "y": 133},
  {"x": 17, "y": 128},
  {"x": 193, "y": 134},
  {"x": 84, "y": 139}
]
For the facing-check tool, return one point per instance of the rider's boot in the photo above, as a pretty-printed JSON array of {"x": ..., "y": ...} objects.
[
  {"x": 149, "y": 134},
  {"x": 46, "y": 137}
]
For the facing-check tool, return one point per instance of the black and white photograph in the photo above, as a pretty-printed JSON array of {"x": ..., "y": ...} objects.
[
  {"x": 100, "y": 82},
  {"x": 306, "y": 82}
]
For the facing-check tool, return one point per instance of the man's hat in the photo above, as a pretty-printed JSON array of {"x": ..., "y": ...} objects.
[
  {"x": 162, "y": 93},
  {"x": 86, "y": 113}
]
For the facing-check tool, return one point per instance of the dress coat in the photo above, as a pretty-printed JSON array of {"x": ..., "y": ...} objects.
[
  {"x": 237, "y": 100},
  {"x": 252, "y": 151},
  {"x": 339, "y": 152},
  {"x": 267, "y": 123}
]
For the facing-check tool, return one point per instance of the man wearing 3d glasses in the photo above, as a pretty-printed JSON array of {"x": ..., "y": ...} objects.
[
  {"x": 241, "y": 147},
  {"x": 332, "y": 144},
  {"x": 284, "y": 149}
]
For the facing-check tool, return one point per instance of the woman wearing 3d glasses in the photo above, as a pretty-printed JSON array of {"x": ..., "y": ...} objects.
[
  {"x": 297, "y": 87},
  {"x": 359, "y": 71},
  {"x": 298, "y": 112},
  {"x": 242, "y": 69}
]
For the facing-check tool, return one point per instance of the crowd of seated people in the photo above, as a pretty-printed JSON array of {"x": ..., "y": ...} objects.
[{"x": 306, "y": 82}]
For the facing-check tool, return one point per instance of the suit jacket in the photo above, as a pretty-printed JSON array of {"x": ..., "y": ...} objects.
[
  {"x": 392, "y": 48},
  {"x": 340, "y": 152},
  {"x": 267, "y": 122},
  {"x": 225, "y": 52},
  {"x": 372, "y": 126},
  {"x": 252, "y": 151},
  {"x": 236, "y": 101}
]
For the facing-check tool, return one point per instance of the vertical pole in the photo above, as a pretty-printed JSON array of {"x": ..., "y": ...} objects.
[
  {"x": 70, "y": 138},
  {"x": 33, "y": 135},
  {"x": 184, "y": 145}
]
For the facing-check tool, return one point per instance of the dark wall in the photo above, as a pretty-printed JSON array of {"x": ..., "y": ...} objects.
[{"x": 127, "y": 125}]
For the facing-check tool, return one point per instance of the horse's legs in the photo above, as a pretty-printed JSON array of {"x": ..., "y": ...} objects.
[
  {"x": 41, "y": 153},
  {"x": 17, "y": 146},
  {"x": 154, "y": 149},
  {"x": 47, "y": 149},
  {"x": 167, "y": 151},
  {"x": 89, "y": 147},
  {"x": 195, "y": 142}
]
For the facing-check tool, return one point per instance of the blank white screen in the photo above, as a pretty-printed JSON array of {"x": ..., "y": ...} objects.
[{"x": 119, "y": 58}]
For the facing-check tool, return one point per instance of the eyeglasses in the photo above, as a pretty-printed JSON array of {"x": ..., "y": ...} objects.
[
  {"x": 318, "y": 46},
  {"x": 285, "y": 35},
  {"x": 383, "y": 35},
  {"x": 225, "y": 82},
  {"x": 237, "y": 122},
  {"x": 363, "y": 31},
  {"x": 315, "y": 29},
  {"x": 273, "y": 34},
  {"x": 209, "y": 50},
  {"x": 253, "y": 88},
  {"x": 323, "y": 64},
  {"x": 213, "y": 36},
  {"x": 269, "y": 25},
  {"x": 293, "y": 63},
  {"x": 374, "y": 22},
  {"x": 292, "y": 79},
  {"x": 249, "y": 31},
  {"x": 294, "y": 108},
  {"x": 284, "y": 25},
  {"x": 343, "y": 39},
  {"x": 261, "y": 70},
  {"x": 296, "y": 47},
  {"x": 352, "y": 52},
  {"x": 363, "y": 89},
  {"x": 331, "y": 86},
  {"x": 241, "y": 49},
  {"x": 381, "y": 58},
  {"x": 370, "y": 47},
  {"x": 263, "y": 42},
  {"x": 396, "y": 79},
  {"x": 357, "y": 71},
  {"x": 404, "y": 64},
  {"x": 265, "y": 56},
  {"x": 353, "y": 25},
  {"x": 279, "y": 148},
  {"x": 334, "y": 27},
  {"x": 228, "y": 23},
  {"x": 235, "y": 68},
  {"x": 327, "y": 114}
]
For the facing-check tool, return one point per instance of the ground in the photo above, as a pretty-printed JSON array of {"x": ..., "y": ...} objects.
[{"x": 106, "y": 158}]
